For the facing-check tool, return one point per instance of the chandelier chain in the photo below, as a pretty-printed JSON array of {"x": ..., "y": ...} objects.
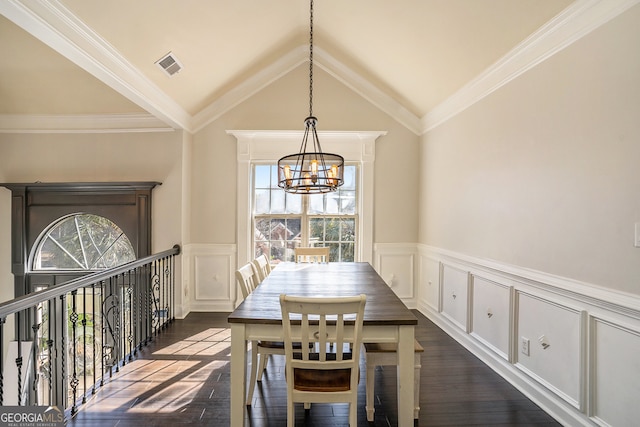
[
  {"x": 311, "y": 59},
  {"x": 310, "y": 171}
]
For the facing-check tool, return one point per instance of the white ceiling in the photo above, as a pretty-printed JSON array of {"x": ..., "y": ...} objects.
[{"x": 409, "y": 57}]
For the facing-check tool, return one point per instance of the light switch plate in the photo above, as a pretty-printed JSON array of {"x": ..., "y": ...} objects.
[{"x": 524, "y": 346}]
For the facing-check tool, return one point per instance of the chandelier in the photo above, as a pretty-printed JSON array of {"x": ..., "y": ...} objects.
[{"x": 310, "y": 171}]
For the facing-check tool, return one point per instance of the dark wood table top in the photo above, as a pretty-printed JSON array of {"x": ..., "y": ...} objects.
[{"x": 383, "y": 307}]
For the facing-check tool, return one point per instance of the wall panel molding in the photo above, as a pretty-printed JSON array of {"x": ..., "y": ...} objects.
[
  {"x": 396, "y": 264},
  {"x": 208, "y": 277},
  {"x": 580, "y": 365}
]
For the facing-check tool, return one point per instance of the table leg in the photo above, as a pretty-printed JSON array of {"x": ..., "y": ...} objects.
[
  {"x": 238, "y": 373},
  {"x": 405, "y": 375}
]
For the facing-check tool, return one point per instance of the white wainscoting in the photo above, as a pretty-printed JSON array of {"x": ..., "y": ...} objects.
[
  {"x": 396, "y": 264},
  {"x": 455, "y": 296},
  {"x": 582, "y": 362},
  {"x": 572, "y": 347},
  {"x": 492, "y": 315},
  {"x": 208, "y": 277}
]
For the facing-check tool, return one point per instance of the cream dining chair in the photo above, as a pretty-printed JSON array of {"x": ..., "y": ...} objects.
[
  {"x": 263, "y": 267},
  {"x": 384, "y": 354},
  {"x": 247, "y": 277},
  {"x": 312, "y": 254},
  {"x": 315, "y": 374}
]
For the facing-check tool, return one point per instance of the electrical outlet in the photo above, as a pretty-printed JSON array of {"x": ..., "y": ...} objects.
[
  {"x": 524, "y": 346},
  {"x": 637, "y": 239}
]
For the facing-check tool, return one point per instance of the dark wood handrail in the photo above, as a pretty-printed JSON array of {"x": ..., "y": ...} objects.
[{"x": 27, "y": 301}]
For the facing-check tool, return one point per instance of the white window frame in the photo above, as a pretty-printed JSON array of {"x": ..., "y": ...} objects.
[
  {"x": 268, "y": 146},
  {"x": 304, "y": 215}
]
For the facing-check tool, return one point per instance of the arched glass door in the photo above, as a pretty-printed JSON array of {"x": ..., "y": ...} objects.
[{"x": 82, "y": 242}]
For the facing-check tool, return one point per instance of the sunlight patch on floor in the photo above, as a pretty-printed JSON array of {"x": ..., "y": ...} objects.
[
  {"x": 209, "y": 342},
  {"x": 177, "y": 395}
]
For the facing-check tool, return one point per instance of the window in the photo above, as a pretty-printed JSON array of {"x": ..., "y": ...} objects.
[
  {"x": 82, "y": 242},
  {"x": 283, "y": 221},
  {"x": 265, "y": 147}
]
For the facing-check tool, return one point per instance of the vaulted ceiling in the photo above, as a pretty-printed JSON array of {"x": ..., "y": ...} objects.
[{"x": 412, "y": 58}]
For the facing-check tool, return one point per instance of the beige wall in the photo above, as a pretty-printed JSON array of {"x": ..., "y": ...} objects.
[
  {"x": 210, "y": 163},
  {"x": 545, "y": 172},
  {"x": 95, "y": 158},
  {"x": 283, "y": 106}
]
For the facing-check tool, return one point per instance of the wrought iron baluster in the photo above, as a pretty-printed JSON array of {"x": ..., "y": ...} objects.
[
  {"x": 84, "y": 345},
  {"x": 93, "y": 333},
  {"x": 19, "y": 358},
  {"x": 112, "y": 322},
  {"x": 130, "y": 279},
  {"x": 155, "y": 299},
  {"x": 167, "y": 272},
  {"x": 61, "y": 350},
  {"x": 36, "y": 351},
  {"x": 147, "y": 304},
  {"x": 138, "y": 310},
  {"x": 50, "y": 349},
  {"x": 1, "y": 361},
  {"x": 103, "y": 332},
  {"x": 123, "y": 319},
  {"x": 172, "y": 287},
  {"x": 74, "y": 352}
]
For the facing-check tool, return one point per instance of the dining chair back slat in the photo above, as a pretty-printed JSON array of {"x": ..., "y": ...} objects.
[
  {"x": 247, "y": 279},
  {"x": 314, "y": 372},
  {"x": 263, "y": 267},
  {"x": 312, "y": 254}
]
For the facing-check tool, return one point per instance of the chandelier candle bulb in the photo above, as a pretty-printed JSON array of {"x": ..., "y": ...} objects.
[{"x": 287, "y": 175}]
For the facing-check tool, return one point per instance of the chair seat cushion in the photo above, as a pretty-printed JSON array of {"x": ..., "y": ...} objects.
[
  {"x": 375, "y": 347},
  {"x": 279, "y": 344},
  {"x": 271, "y": 344},
  {"x": 322, "y": 380}
]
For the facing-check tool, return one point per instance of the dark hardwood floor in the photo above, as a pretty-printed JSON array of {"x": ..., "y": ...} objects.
[{"x": 182, "y": 378}]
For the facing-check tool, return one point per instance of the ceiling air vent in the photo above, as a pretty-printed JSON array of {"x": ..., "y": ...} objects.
[{"x": 170, "y": 64}]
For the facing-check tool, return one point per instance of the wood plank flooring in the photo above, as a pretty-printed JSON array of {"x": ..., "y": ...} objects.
[{"x": 183, "y": 378}]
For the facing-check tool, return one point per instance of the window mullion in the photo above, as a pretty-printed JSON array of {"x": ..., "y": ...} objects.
[{"x": 304, "y": 241}]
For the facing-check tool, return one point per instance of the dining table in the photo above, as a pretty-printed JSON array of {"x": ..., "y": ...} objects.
[{"x": 386, "y": 320}]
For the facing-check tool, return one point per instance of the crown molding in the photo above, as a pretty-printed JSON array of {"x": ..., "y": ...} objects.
[
  {"x": 368, "y": 91},
  {"x": 60, "y": 29},
  {"x": 87, "y": 123},
  {"x": 323, "y": 60},
  {"x": 576, "y": 21},
  {"x": 57, "y": 27}
]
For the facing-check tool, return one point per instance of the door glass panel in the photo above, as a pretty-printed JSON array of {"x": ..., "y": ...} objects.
[{"x": 83, "y": 242}]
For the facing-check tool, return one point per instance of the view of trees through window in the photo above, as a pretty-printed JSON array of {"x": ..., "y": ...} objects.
[
  {"x": 83, "y": 242},
  {"x": 283, "y": 221}
]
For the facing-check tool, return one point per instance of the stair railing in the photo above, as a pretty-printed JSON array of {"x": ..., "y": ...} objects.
[{"x": 83, "y": 331}]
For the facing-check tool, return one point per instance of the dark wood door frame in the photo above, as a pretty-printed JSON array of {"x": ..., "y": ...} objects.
[{"x": 34, "y": 206}]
